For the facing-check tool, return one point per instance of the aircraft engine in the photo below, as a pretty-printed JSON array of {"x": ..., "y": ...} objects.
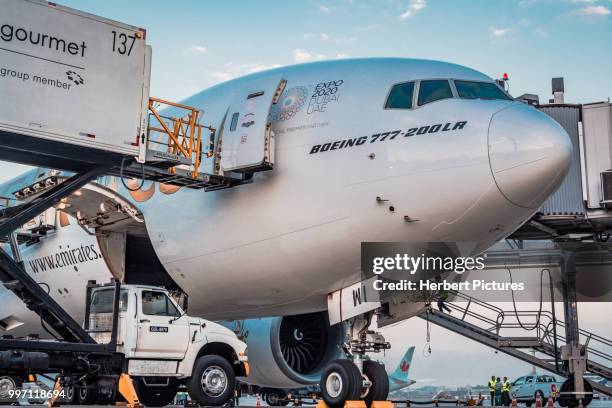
[{"x": 291, "y": 351}]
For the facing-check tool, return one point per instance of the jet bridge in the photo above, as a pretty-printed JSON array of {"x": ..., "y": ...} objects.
[{"x": 581, "y": 209}]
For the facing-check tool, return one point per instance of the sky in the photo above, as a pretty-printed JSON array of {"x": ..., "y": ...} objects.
[{"x": 197, "y": 44}]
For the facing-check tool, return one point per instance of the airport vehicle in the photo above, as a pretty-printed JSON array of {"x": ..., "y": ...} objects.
[
  {"x": 147, "y": 336},
  {"x": 527, "y": 388},
  {"x": 65, "y": 60},
  {"x": 319, "y": 157}
]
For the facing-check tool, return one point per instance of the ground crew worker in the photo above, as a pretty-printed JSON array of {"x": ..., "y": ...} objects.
[
  {"x": 498, "y": 391},
  {"x": 442, "y": 296},
  {"x": 492, "y": 383},
  {"x": 506, "y": 392}
]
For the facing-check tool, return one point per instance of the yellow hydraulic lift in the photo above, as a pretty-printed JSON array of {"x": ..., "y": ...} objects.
[{"x": 182, "y": 132}]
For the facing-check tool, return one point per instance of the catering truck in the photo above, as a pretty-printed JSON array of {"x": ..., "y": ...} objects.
[
  {"x": 155, "y": 346},
  {"x": 72, "y": 78}
]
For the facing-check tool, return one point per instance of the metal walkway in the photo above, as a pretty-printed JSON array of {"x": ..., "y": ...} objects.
[{"x": 523, "y": 335}]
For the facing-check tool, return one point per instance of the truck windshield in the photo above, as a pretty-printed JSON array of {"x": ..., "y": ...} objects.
[
  {"x": 102, "y": 301},
  {"x": 158, "y": 304}
]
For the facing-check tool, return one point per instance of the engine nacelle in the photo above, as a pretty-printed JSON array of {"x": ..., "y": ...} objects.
[{"x": 290, "y": 351}]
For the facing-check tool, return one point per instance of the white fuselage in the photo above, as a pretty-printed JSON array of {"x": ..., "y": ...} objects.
[{"x": 279, "y": 245}]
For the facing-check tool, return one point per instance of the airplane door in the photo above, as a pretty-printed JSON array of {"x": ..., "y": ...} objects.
[
  {"x": 160, "y": 334},
  {"x": 247, "y": 143}
]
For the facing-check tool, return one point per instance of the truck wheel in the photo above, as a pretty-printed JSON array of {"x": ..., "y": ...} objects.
[
  {"x": 212, "y": 381},
  {"x": 8, "y": 383},
  {"x": 87, "y": 394},
  {"x": 275, "y": 398},
  {"x": 70, "y": 397},
  {"x": 540, "y": 394},
  {"x": 156, "y": 395},
  {"x": 340, "y": 382},
  {"x": 377, "y": 375}
]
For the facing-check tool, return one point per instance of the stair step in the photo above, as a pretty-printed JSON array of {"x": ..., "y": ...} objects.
[{"x": 519, "y": 342}]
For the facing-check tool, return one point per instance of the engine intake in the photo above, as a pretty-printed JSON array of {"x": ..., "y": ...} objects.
[{"x": 291, "y": 351}]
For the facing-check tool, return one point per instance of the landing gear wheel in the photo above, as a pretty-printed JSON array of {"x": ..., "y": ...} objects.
[
  {"x": 340, "y": 382},
  {"x": 155, "y": 395},
  {"x": 212, "y": 381},
  {"x": 8, "y": 383},
  {"x": 379, "y": 390},
  {"x": 569, "y": 400}
]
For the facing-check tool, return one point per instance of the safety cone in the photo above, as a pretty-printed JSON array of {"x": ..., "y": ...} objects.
[
  {"x": 538, "y": 402},
  {"x": 514, "y": 402},
  {"x": 258, "y": 401},
  {"x": 550, "y": 403}
]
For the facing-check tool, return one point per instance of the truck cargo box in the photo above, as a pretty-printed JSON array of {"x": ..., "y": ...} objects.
[{"x": 71, "y": 77}]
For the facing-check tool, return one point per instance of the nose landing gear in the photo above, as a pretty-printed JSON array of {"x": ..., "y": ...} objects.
[{"x": 361, "y": 378}]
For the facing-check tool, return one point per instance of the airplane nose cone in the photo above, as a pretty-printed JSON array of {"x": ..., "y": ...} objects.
[{"x": 529, "y": 154}]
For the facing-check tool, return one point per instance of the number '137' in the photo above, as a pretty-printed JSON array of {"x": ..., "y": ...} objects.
[{"x": 123, "y": 43}]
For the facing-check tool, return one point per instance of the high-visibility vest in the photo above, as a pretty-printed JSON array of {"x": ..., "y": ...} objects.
[
  {"x": 506, "y": 386},
  {"x": 492, "y": 385}
]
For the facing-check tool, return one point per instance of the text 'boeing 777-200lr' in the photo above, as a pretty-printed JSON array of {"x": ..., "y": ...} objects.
[{"x": 360, "y": 147}]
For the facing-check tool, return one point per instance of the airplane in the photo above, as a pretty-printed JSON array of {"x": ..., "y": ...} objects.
[
  {"x": 398, "y": 380},
  {"x": 373, "y": 149}
]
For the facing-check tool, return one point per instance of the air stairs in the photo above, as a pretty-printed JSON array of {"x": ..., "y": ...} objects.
[{"x": 531, "y": 336}]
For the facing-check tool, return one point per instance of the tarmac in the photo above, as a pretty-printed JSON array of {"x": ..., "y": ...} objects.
[{"x": 594, "y": 404}]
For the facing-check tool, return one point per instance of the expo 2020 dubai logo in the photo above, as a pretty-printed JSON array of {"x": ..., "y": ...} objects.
[{"x": 292, "y": 101}]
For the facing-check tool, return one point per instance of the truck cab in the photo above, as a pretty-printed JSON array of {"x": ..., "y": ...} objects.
[{"x": 163, "y": 346}]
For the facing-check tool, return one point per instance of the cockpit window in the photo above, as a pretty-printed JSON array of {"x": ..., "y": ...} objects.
[
  {"x": 479, "y": 90},
  {"x": 400, "y": 96},
  {"x": 434, "y": 90}
]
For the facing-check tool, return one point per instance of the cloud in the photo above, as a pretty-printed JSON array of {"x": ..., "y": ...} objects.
[
  {"x": 500, "y": 32},
  {"x": 341, "y": 55},
  {"x": 223, "y": 76},
  {"x": 196, "y": 49},
  {"x": 324, "y": 9},
  {"x": 233, "y": 70},
  {"x": 300, "y": 55},
  {"x": 540, "y": 32},
  {"x": 594, "y": 11},
  {"x": 413, "y": 7},
  {"x": 324, "y": 37},
  {"x": 251, "y": 68}
]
